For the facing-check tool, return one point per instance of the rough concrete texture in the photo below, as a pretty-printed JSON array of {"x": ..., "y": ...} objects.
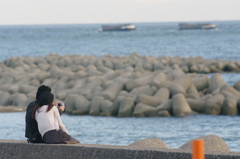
[
  {"x": 151, "y": 142},
  {"x": 211, "y": 143},
  {"x": 77, "y": 80},
  {"x": 20, "y": 149}
]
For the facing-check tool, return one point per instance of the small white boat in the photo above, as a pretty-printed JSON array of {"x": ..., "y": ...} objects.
[
  {"x": 183, "y": 26},
  {"x": 119, "y": 27}
]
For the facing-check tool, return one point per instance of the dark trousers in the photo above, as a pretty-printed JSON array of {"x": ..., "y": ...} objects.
[
  {"x": 35, "y": 138},
  {"x": 58, "y": 137}
]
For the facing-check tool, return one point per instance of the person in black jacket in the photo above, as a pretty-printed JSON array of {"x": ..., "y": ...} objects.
[{"x": 31, "y": 131}]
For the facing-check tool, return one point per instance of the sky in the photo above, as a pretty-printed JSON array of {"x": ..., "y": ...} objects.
[{"x": 15, "y": 12}]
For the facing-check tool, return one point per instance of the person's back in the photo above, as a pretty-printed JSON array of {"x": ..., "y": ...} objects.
[
  {"x": 49, "y": 121},
  {"x": 31, "y": 129}
]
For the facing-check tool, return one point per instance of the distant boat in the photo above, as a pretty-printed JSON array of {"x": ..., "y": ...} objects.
[
  {"x": 119, "y": 27},
  {"x": 183, "y": 26}
]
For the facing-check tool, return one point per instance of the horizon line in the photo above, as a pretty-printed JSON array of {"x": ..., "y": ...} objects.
[{"x": 86, "y": 23}]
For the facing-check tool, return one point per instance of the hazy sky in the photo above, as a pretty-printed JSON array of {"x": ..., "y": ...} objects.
[{"x": 115, "y": 11}]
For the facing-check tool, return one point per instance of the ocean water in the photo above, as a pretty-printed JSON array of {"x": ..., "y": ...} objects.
[
  {"x": 150, "y": 39},
  {"x": 123, "y": 131}
]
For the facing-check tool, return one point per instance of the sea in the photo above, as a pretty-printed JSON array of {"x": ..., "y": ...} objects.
[{"x": 149, "y": 39}]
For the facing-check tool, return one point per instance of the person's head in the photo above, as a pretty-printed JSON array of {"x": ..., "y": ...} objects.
[
  {"x": 46, "y": 98},
  {"x": 42, "y": 89}
]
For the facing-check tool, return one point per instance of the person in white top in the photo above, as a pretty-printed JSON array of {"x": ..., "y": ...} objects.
[{"x": 49, "y": 121}]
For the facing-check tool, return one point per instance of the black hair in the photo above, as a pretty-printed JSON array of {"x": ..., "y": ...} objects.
[
  {"x": 41, "y": 90},
  {"x": 46, "y": 98}
]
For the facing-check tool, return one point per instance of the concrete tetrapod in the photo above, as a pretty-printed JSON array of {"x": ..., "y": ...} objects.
[
  {"x": 95, "y": 106},
  {"x": 143, "y": 110},
  {"x": 229, "y": 106},
  {"x": 126, "y": 107},
  {"x": 216, "y": 81},
  {"x": 180, "y": 105}
]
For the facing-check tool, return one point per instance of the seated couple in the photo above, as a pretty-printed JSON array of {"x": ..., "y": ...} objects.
[{"x": 43, "y": 121}]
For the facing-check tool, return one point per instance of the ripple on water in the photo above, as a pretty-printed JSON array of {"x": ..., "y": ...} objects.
[{"x": 122, "y": 131}]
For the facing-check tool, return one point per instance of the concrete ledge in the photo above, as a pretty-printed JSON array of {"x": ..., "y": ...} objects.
[{"x": 15, "y": 149}]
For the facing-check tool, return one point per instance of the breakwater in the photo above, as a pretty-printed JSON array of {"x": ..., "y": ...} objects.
[
  {"x": 133, "y": 85},
  {"x": 215, "y": 148}
]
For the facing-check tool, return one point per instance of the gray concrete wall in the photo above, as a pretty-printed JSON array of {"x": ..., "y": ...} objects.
[{"x": 16, "y": 149}]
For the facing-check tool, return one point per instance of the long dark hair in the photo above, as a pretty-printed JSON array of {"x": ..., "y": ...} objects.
[
  {"x": 45, "y": 98},
  {"x": 41, "y": 90}
]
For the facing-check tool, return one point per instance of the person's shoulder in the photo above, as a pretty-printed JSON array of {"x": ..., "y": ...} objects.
[
  {"x": 55, "y": 108},
  {"x": 31, "y": 105}
]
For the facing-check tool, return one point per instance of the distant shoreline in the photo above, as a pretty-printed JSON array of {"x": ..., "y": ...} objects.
[
  {"x": 10, "y": 109},
  {"x": 62, "y": 24}
]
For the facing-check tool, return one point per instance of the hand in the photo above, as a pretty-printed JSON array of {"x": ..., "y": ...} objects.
[{"x": 62, "y": 107}]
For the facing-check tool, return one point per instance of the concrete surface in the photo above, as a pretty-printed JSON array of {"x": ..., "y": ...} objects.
[{"x": 17, "y": 149}]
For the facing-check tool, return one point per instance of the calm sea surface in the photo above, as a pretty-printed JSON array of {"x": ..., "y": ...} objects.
[
  {"x": 122, "y": 131},
  {"x": 150, "y": 39}
]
